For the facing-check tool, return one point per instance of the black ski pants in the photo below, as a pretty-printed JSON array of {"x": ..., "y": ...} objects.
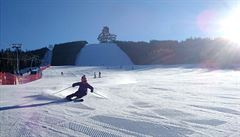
[{"x": 76, "y": 94}]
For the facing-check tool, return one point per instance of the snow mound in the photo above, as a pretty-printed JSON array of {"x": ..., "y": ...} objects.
[{"x": 102, "y": 54}]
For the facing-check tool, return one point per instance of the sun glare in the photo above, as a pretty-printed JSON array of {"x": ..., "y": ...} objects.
[{"x": 230, "y": 26}]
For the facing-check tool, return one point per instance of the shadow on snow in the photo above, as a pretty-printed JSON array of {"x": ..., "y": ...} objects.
[{"x": 32, "y": 105}]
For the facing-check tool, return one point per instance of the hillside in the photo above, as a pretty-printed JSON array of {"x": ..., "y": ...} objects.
[
  {"x": 27, "y": 59},
  {"x": 203, "y": 51},
  {"x": 66, "y": 53},
  {"x": 104, "y": 54}
]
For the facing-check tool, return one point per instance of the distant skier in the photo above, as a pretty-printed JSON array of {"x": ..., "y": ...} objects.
[
  {"x": 99, "y": 74},
  {"x": 95, "y": 76},
  {"x": 82, "y": 90}
]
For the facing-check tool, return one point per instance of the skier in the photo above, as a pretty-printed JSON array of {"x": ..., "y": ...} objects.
[
  {"x": 82, "y": 90},
  {"x": 99, "y": 74}
]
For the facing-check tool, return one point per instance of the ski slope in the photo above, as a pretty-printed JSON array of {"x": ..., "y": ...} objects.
[
  {"x": 135, "y": 101},
  {"x": 104, "y": 54}
]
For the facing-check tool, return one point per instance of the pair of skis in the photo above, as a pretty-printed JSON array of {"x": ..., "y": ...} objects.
[{"x": 75, "y": 99}]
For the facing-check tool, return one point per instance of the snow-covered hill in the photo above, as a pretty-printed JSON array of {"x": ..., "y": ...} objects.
[
  {"x": 135, "y": 101},
  {"x": 105, "y": 54}
]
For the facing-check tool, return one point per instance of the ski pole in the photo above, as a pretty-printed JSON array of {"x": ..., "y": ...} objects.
[
  {"x": 62, "y": 90},
  {"x": 99, "y": 94}
]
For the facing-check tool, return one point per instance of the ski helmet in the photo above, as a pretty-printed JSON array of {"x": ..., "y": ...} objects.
[{"x": 84, "y": 79}]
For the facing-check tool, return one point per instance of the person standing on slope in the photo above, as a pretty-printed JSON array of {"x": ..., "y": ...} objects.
[
  {"x": 95, "y": 76},
  {"x": 82, "y": 90}
]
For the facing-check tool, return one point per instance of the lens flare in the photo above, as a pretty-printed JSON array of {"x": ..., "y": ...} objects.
[{"x": 230, "y": 26}]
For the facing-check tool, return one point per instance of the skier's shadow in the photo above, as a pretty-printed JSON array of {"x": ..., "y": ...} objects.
[{"x": 33, "y": 105}]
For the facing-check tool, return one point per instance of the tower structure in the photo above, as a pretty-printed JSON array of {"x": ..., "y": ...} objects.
[{"x": 105, "y": 36}]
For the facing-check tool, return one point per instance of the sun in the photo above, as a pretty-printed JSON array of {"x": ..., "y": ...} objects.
[{"x": 230, "y": 26}]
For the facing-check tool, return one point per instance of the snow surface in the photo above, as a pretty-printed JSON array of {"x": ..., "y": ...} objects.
[
  {"x": 135, "y": 101},
  {"x": 104, "y": 54}
]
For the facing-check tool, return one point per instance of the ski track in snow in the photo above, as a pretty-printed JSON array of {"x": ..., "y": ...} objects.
[{"x": 144, "y": 101}]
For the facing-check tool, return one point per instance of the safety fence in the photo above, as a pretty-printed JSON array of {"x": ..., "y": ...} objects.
[
  {"x": 11, "y": 79},
  {"x": 44, "y": 67}
]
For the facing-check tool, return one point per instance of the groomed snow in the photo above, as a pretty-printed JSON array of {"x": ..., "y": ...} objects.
[
  {"x": 104, "y": 54},
  {"x": 137, "y": 101}
]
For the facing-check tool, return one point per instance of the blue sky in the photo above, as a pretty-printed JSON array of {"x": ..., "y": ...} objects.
[{"x": 39, "y": 23}]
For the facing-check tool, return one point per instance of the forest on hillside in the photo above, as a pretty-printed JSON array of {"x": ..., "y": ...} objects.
[
  {"x": 27, "y": 59},
  {"x": 204, "y": 51},
  {"x": 66, "y": 53}
]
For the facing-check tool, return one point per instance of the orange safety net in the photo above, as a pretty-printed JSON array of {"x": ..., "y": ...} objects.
[{"x": 11, "y": 79}]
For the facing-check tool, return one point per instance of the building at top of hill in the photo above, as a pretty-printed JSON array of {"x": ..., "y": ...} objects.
[{"x": 105, "y": 36}]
